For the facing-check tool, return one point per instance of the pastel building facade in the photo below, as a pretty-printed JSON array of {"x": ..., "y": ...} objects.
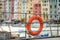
[
  {"x": 31, "y": 8},
  {"x": 16, "y": 11},
  {"x": 58, "y": 9},
  {"x": 8, "y": 9},
  {"x": 53, "y": 9},
  {"x": 20, "y": 9},
  {"x": 45, "y": 10},
  {"x": 1, "y": 9},
  {"x": 7, "y": 13}
]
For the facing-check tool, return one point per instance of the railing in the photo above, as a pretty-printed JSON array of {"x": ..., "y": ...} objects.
[{"x": 51, "y": 27}]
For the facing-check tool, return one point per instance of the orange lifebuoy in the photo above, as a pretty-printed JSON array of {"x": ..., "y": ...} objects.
[{"x": 34, "y": 17}]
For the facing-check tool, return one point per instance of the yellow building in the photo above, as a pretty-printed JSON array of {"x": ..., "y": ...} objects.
[
  {"x": 29, "y": 8},
  {"x": 1, "y": 9},
  {"x": 29, "y": 5},
  {"x": 20, "y": 9},
  {"x": 45, "y": 9}
]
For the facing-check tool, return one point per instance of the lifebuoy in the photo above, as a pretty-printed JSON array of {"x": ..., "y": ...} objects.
[{"x": 34, "y": 17}]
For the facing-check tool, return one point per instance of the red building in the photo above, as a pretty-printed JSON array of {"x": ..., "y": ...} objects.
[
  {"x": 37, "y": 9},
  {"x": 11, "y": 9}
]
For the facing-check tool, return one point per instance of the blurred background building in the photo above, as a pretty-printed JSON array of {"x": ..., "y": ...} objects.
[
  {"x": 45, "y": 9},
  {"x": 8, "y": 9},
  {"x": 53, "y": 9},
  {"x": 24, "y": 9},
  {"x": 58, "y": 9},
  {"x": 1, "y": 9}
]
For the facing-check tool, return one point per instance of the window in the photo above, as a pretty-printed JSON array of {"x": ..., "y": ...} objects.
[
  {"x": 55, "y": 11},
  {"x": 55, "y": 6},
  {"x": 59, "y": 0},
  {"x": 29, "y": 11},
  {"x": 55, "y": 1},
  {"x": 9, "y": 0},
  {"x": 23, "y": 11},
  {"x": 0, "y": 7},
  {"x": 59, "y": 18},
  {"x": 31, "y": 8},
  {"x": 51, "y": 16},
  {"x": 23, "y": 7},
  {"x": 50, "y": 11},
  {"x": 35, "y": 7},
  {"x": 47, "y": 16},
  {"x": 0, "y": 4},
  {"x": 55, "y": 16},
  {"x": 44, "y": 4},
  {"x": 29, "y": 16},
  {"x": 23, "y": 15},
  {"x": 59, "y": 4},
  {"x": 44, "y": 15},
  {"x": 45, "y": 9},
  {"x": 45, "y": 1},
  {"x": 50, "y": 6}
]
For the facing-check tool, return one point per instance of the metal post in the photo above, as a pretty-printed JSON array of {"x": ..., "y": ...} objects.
[
  {"x": 30, "y": 37},
  {"x": 50, "y": 28},
  {"x": 25, "y": 24},
  {"x": 4, "y": 36},
  {"x": 57, "y": 19},
  {"x": 57, "y": 27}
]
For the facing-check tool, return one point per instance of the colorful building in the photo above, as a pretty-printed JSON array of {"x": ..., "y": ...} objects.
[
  {"x": 1, "y": 9},
  {"x": 58, "y": 9},
  {"x": 27, "y": 6},
  {"x": 45, "y": 10},
  {"x": 20, "y": 9},
  {"x": 8, "y": 9}
]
